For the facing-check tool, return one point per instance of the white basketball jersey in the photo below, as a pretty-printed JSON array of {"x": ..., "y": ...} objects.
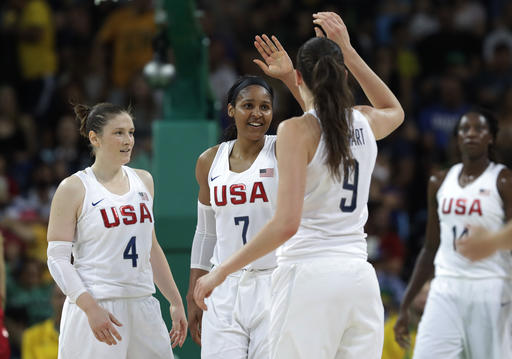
[
  {"x": 113, "y": 239},
  {"x": 243, "y": 202},
  {"x": 334, "y": 212},
  {"x": 479, "y": 204}
]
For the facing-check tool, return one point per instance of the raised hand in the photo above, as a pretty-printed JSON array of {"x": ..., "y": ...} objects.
[
  {"x": 178, "y": 333},
  {"x": 277, "y": 63},
  {"x": 334, "y": 27}
]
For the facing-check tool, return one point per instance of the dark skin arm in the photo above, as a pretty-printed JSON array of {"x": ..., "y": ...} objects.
[
  {"x": 195, "y": 314},
  {"x": 504, "y": 185},
  {"x": 424, "y": 267}
]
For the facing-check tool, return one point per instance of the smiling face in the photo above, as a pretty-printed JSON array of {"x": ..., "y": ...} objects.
[
  {"x": 115, "y": 142},
  {"x": 252, "y": 112},
  {"x": 474, "y": 136}
]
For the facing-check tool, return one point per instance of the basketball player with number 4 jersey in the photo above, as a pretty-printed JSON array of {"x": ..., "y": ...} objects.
[
  {"x": 468, "y": 309},
  {"x": 102, "y": 217}
]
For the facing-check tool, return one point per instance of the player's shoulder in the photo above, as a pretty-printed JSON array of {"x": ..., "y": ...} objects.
[
  {"x": 143, "y": 174},
  {"x": 72, "y": 183},
  {"x": 504, "y": 181},
  {"x": 299, "y": 126},
  {"x": 70, "y": 189},
  {"x": 505, "y": 175},
  {"x": 206, "y": 158},
  {"x": 437, "y": 178},
  {"x": 146, "y": 178}
]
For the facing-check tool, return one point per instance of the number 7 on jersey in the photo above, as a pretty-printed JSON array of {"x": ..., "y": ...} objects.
[{"x": 245, "y": 220}]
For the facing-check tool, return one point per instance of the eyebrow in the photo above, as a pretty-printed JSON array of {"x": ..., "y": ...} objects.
[{"x": 253, "y": 100}]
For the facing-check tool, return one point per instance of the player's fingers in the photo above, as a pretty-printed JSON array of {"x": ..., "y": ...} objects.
[
  {"x": 277, "y": 43},
  {"x": 318, "y": 32},
  {"x": 260, "y": 49},
  {"x": 184, "y": 327},
  {"x": 115, "y": 333},
  {"x": 108, "y": 337},
  {"x": 99, "y": 335},
  {"x": 261, "y": 65},
  {"x": 114, "y": 320},
  {"x": 269, "y": 43},
  {"x": 264, "y": 47}
]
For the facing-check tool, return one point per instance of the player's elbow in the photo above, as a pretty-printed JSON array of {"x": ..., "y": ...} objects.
[
  {"x": 288, "y": 228},
  {"x": 398, "y": 116}
]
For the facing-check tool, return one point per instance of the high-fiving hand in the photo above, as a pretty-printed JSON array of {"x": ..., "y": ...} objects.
[
  {"x": 277, "y": 63},
  {"x": 334, "y": 27}
]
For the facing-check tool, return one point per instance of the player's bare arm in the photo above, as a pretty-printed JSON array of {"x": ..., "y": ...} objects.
[
  {"x": 386, "y": 113},
  {"x": 424, "y": 267}
]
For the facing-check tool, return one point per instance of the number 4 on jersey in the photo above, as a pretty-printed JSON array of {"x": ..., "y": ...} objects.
[
  {"x": 130, "y": 252},
  {"x": 455, "y": 237}
]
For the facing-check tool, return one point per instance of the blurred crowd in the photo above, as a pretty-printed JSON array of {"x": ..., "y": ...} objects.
[{"x": 440, "y": 57}]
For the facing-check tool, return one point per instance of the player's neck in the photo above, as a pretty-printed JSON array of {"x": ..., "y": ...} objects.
[
  {"x": 244, "y": 148},
  {"x": 106, "y": 172},
  {"x": 474, "y": 166}
]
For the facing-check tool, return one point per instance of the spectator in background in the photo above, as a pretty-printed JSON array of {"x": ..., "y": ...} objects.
[
  {"x": 28, "y": 301},
  {"x": 129, "y": 30},
  {"x": 493, "y": 81},
  {"x": 37, "y": 55},
  {"x": 436, "y": 122},
  {"x": 437, "y": 50},
  {"x": 41, "y": 341}
]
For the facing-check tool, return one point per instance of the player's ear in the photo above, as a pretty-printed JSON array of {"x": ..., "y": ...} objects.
[
  {"x": 298, "y": 78},
  {"x": 231, "y": 110}
]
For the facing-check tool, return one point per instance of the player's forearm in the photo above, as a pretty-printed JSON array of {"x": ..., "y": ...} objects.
[
  {"x": 289, "y": 81},
  {"x": 378, "y": 93},
  {"x": 163, "y": 277},
  {"x": 268, "y": 239},
  {"x": 423, "y": 271}
]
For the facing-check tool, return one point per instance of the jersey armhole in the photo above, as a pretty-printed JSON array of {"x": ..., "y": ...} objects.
[
  {"x": 131, "y": 171},
  {"x": 84, "y": 201}
]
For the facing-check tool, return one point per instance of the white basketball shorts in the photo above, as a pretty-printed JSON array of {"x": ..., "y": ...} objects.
[
  {"x": 236, "y": 324},
  {"x": 465, "y": 318},
  {"x": 143, "y": 331},
  {"x": 326, "y": 308}
]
